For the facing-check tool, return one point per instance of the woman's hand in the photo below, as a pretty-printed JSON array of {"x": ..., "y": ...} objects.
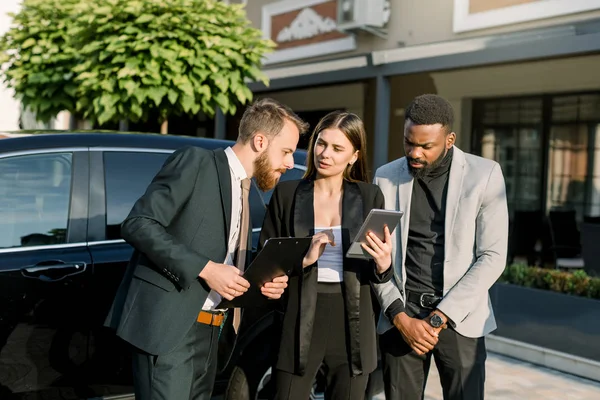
[
  {"x": 274, "y": 289},
  {"x": 317, "y": 246},
  {"x": 380, "y": 250}
]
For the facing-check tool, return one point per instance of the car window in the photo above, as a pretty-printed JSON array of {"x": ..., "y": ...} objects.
[
  {"x": 127, "y": 175},
  {"x": 295, "y": 173},
  {"x": 35, "y": 197},
  {"x": 257, "y": 206}
]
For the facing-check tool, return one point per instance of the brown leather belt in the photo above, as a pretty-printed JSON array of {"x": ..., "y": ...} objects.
[{"x": 211, "y": 318}]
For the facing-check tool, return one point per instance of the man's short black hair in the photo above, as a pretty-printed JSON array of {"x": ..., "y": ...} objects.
[{"x": 430, "y": 109}]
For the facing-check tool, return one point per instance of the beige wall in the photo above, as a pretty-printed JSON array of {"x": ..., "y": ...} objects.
[
  {"x": 415, "y": 22},
  {"x": 403, "y": 89},
  {"x": 548, "y": 76},
  {"x": 460, "y": 87},
  {"x": 349, "y": 97}
]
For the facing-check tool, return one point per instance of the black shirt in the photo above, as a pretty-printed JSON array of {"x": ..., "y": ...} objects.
[{"x": 425, "y": 243}]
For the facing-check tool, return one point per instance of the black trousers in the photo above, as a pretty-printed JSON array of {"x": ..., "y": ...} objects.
[
  {"x": 459, "y": 360},
  {"x": 188, "y": 372},
  {"x": 328, "y": 347}
]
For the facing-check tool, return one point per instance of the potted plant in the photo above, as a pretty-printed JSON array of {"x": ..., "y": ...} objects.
[{"x": 549, "y": 308}]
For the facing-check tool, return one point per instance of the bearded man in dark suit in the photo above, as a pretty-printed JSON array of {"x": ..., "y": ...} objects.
[{"x": 191, "y": 237}]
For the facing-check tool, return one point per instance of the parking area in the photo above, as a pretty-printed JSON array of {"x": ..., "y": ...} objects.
[{"x": 510, "y": 379}]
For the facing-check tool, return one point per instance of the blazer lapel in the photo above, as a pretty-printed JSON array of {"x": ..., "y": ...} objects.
[
  {"x": 304, "y": 213},
  {"x": 353, "y": 215},
  {"x": 304, "y": 221},
  {"x": 225, "y": 187},
  {"x": 405, "y": 187},
  {"x": 455, "y": 182}
]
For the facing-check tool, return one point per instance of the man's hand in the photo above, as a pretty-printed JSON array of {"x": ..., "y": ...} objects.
[
  {"x": 224, "y": 279},
  {"x": 274, "y": 289},
  {"x": 442, "y": 316},
  {"x": 417, "y": 333},
  {"x": 381, "y": 251},
  {"x": 317, "y": 246}
]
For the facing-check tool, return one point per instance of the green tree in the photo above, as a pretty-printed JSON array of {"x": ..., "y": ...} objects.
[
  {"x": 133, "y": 59},
  {"x": 39, "y": 59}
]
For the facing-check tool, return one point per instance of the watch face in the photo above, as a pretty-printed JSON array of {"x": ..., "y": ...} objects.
[{"x": 436, "y": 321}]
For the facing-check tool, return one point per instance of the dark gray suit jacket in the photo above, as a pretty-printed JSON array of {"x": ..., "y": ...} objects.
[{"x": 176, "y": 227}]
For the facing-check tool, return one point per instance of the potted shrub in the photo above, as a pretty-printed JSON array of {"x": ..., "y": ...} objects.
[{"x": 549, "y": 308}]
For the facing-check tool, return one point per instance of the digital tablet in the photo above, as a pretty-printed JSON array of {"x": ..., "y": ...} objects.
[
  {"x": 374, "y": 222},
  {"x": 278, "y": 257}
]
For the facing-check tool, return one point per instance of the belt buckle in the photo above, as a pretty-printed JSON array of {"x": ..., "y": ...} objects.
[
  {"x": 423, "y": 296},
  {"x": 214, "y": 316}
]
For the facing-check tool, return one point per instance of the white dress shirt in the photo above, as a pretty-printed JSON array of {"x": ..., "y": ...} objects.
[{"x": 238, "y": 173}]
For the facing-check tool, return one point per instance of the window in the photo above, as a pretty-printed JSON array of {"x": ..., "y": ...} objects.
[
  {"x": 548, "y": 147},
  {"x": 35, "y": 192},
  {"x": 573, "y": 163},
  {"x": 127, "y": 175},
  {"x": 510, "y": 132}
]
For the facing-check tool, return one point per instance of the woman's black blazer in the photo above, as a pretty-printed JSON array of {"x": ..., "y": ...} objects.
[{"x": 291, "y": 213}]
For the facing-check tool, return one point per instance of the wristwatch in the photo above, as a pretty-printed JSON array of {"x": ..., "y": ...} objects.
[{"x": 436, "y": 321}]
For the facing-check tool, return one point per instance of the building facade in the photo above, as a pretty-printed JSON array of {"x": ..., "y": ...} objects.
[{"x": 522, "y": 75}]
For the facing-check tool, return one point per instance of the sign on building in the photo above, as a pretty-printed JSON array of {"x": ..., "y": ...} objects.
[{"x": 303, "y": 29}]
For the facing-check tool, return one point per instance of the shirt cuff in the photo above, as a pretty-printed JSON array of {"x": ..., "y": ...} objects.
[
  {"x": 394, "y": 309},
  {"x": 385, "y": 276}
]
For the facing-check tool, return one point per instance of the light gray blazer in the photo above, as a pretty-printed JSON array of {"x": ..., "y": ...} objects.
[{"x": 476, "y": 239}]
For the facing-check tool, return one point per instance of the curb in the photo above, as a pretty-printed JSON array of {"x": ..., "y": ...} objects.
[{"x": 548, "y": 358}]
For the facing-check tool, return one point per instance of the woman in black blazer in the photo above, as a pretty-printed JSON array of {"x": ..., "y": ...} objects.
[{"x": 329, "y": 315}]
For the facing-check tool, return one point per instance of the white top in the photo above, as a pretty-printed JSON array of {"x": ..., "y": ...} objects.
[
  {"x": 331, "y": 262},
  {"x": 238, "y": 173}
]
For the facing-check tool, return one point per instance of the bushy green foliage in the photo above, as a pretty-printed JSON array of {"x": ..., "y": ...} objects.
[
  {"x": 39, "y": 57},
  {"x": 577, "y": 283},
  {"x": 132, "y": 59}
]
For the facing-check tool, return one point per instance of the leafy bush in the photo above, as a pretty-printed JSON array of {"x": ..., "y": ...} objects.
[
  {"x": 38, "y": 58},
  {"x": 109, "y": 60},
  {"x": 576, "y": 283}
]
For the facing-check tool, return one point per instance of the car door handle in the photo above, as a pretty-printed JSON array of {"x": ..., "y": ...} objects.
[{"x": 52, "y": 271}]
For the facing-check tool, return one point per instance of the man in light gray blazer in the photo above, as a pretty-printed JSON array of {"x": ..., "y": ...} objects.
[{"x": 448, "y": 251}]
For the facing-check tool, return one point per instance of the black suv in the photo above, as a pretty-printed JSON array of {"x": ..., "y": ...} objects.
[{"x": 62, "y": 200}]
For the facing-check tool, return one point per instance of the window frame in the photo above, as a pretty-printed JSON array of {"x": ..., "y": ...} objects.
[
  {"x": 97, "y": 201},
  {"x": 77, "y": 212},
  {"x": 545, "y": 126}
]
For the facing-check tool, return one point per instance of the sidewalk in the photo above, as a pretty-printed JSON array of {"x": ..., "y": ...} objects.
[{"x": 510, "y": 379}]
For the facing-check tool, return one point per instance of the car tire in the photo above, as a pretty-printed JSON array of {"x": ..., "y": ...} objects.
[
  {"x": 245, "y": 385},
  {"x": 262, "y": 387}
]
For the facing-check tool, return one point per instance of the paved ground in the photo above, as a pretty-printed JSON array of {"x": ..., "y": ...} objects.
[{"x": 509, "y": 379}]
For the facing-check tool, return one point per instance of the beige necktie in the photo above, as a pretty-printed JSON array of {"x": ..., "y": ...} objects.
[{"x": 242, "y": 247}]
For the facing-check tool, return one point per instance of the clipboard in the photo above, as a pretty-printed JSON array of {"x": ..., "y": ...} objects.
[
  {"x": 374, "y": 222},
  {"x": 279, "y": 256}
]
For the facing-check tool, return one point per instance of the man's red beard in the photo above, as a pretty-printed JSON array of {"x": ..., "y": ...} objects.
[{"x": 266, "y": 177}]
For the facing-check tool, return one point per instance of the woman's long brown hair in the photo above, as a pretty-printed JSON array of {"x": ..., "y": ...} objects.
[{"x": 352, "y": 126}]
